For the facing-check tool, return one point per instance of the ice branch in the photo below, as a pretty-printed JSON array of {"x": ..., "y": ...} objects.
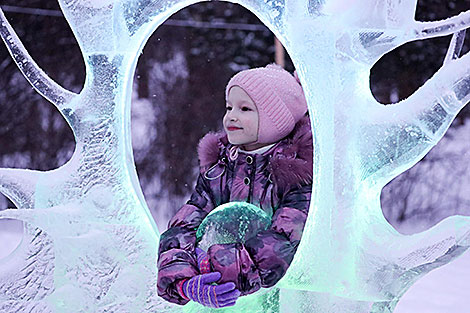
[
  {"x": 378, "y": 43},
  {"x": 445, "y": 27},
  {"x": 436, "y": 242},
  {"x": 420, "y": 253},
  {"x": 43, "y": 84},
  {"x": 19, "y": 186},
  {"x": 441, "y": 244},
  {"x": 13, "y": 214},
  {"x": 455, "y": 46},
  {"x": 404, "y": 132}
]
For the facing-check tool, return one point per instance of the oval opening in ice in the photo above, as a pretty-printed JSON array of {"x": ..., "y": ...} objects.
[{"x": 179, "y": 93}]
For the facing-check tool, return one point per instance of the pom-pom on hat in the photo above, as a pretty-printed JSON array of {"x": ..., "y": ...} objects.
[{"x": 278, "y": 96}]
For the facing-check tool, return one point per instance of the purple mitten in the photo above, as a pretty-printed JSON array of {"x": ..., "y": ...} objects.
[
  {"x": 203, "y": 261},
  {"x": 200, "y": 289}
]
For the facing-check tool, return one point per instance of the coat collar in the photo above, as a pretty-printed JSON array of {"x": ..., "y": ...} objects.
[{"x": 291, "y": 161}]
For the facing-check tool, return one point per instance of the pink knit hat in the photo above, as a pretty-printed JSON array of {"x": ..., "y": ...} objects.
[{"x": 278, "y": 96}]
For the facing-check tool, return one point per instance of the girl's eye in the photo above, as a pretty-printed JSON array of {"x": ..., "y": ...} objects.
[
  {"x": 246, "y": 109},
  {"x": 228, "y": 108}
]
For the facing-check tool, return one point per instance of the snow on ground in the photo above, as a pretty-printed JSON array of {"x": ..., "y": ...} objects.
[{"x": 444, "y": 290}]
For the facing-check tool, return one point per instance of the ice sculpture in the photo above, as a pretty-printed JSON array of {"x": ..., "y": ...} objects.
[{"x": 90, "y": 243}]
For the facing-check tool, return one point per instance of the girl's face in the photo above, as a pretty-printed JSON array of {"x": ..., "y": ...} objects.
[{"x": 241, "y": 119}]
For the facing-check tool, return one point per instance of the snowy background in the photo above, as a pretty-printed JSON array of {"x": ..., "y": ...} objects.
[{"x": 173, "y": 97}]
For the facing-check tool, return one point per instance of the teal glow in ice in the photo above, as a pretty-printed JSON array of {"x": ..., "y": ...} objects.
[
  {"x": 231, "y": 222},
  {"x": 90, "y": 243}
]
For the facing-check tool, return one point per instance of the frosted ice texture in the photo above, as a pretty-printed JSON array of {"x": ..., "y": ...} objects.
[{"x": 90, "y": 244}]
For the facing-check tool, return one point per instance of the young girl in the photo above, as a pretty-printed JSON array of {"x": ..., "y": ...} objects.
[{"x": 263, "y": 157}]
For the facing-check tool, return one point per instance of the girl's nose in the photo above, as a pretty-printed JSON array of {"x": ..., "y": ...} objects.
[{"x": 232, "y": 116}]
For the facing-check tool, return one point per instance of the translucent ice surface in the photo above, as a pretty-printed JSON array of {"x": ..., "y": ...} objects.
[
  {"x": 218, "y": 226},
  {"x": 90, "y": 244}
]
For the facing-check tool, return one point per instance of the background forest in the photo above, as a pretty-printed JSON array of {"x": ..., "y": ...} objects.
[{"x": 179, "y": 96}]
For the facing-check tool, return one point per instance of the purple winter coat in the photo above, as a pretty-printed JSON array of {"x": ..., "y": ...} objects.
[{"x": 278, "y": 181}]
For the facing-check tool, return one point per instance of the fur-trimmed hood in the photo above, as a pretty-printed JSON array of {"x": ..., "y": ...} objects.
[{"x": 291, "y": 161}]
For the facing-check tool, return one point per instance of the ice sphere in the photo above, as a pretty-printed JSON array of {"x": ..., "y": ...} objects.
[
  {"x": 89, "y": 233},
  {"x": 219, "y": 227}
]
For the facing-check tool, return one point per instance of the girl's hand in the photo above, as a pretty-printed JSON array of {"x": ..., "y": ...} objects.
[
  {"x": 203, "y": 261},
  {"x": 200, "y": 289}
]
